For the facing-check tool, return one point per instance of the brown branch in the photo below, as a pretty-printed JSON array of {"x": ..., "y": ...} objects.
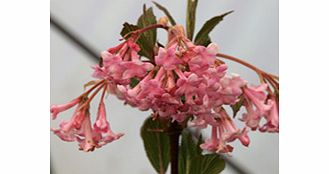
[{"x": 174, "y": 132}]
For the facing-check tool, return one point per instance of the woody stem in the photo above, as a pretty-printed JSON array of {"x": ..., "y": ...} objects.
[{"x": 174, "y": 133}]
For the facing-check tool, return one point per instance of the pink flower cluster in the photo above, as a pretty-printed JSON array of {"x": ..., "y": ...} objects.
[
  {"x": 184, "y": 81},
  {"x": 80, "y": 129}
]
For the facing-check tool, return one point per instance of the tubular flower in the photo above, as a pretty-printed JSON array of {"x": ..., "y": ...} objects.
[
  {"x": 184, "y": 81},
  {"x": 259, "y": 106}
]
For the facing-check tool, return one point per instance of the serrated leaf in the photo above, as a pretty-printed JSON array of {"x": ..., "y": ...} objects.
[
  {"x": 156, "y": 144},
  {"x": 202, "y": 38},
  {"x": 236, "y": 107},
  {"x": 207, "y": 164},
  {"x": 190, "y": 18},
  {"x": 88, "y": 84},
  {"x": 166, "y": 12},
  {"x": 148, "y": 38}
]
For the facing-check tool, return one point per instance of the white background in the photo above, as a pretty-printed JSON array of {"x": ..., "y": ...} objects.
[{"x": 251, "y": 32}]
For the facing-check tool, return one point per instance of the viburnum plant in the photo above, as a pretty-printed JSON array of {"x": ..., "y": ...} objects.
[{"x": 185, "y": 84}]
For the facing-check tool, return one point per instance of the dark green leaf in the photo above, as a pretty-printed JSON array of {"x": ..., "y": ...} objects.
[
  {"x": 207, "y": 164},
  {"x": 133, "y": 82},
  {"x": 128, "y": 28},
  {"x": 191, "y": 160},
  {"x": 148, "y": 39},
  {"x": 200, "y": 141},
  {"x": 166, "y": 12},
  {"x": 156, "y": 144},
  {"x": 236, "y": 107},
  {"x": 190, "y": 18},
  {"x": 202, "y": 38},
  {"x": 183, "y": 99},
  {"x": 142, "y": 41},
  {"x": 188, "y": 150},
  {"x": 206, "y": 41}
]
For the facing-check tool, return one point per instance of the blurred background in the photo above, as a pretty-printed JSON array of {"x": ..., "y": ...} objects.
[{"x": 251, "y": 33}]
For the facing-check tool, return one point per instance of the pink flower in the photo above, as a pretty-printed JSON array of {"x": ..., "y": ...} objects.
[
  {"x": 244, "y": 138},
  {"x": 69, "y": 130},
  {"x": 257, "y": 96},
  {"x": 188, "y": 86},
  {"x": 216, "y": 144},
  {"x": 56, "y": 109},
  {"x": 252, "y": 117},
  {"x": 211, "y": 144},
  {"x": 166, "y": 105},
  {"x": 101, "y": 124},
  {"x": 229, "y": 132},
  {"x": 87, "y": 144},
  {"x": 204, "y": 119},
  {"x": 199, "y": 122},
  {"x": 179, "y": 117},
  {"x": 215, "y": 73},
  {"x": 110, "y": 59},
  {"x": 150, "y": 89},
  {"x": 109, "y": 137},
  {"x": 224, "y": 148},
  {"x": 204, "y": 57},
  {"x": 231, "y": 89},
  {"x": 272, "y": 118},
  {"x": 167, "y": 58},
  {"x": 135, "y": 69}
]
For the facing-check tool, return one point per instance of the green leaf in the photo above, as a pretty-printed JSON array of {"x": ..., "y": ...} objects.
[
  {"x": 206, "y": 41},
  {"x": 148, "y": 39},
  {"x": 156, "y": 144},
  {"x": 200, "y": 141},
  {"x": 236, "y": 107},
  {"x": 202, "y": 38},
  {"x": 188, "y": 150},
  {"x": 166, "y": 12},
  {"x": 190, "y": 18},
  {"x": 128, "y": 28},
  {"x": 133, "y": 82},
  {"x": 142, "y": 41},
  {"x": 207, "y": 164},
  {"x": 191, "y": 160}
]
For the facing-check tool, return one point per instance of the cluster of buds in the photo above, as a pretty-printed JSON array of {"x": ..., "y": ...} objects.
[{"x": 183, "y": 83}]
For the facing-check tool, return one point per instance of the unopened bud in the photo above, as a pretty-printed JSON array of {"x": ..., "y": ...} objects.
[{"x": 163, "y": 20}]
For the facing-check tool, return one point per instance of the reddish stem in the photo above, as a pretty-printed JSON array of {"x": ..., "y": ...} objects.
[
  {"x": 92, "y": 88},
  {"x": 91, "y": 97},
  {"x": 142, "y": 30},
  {"x": 257, "y": 70}
]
